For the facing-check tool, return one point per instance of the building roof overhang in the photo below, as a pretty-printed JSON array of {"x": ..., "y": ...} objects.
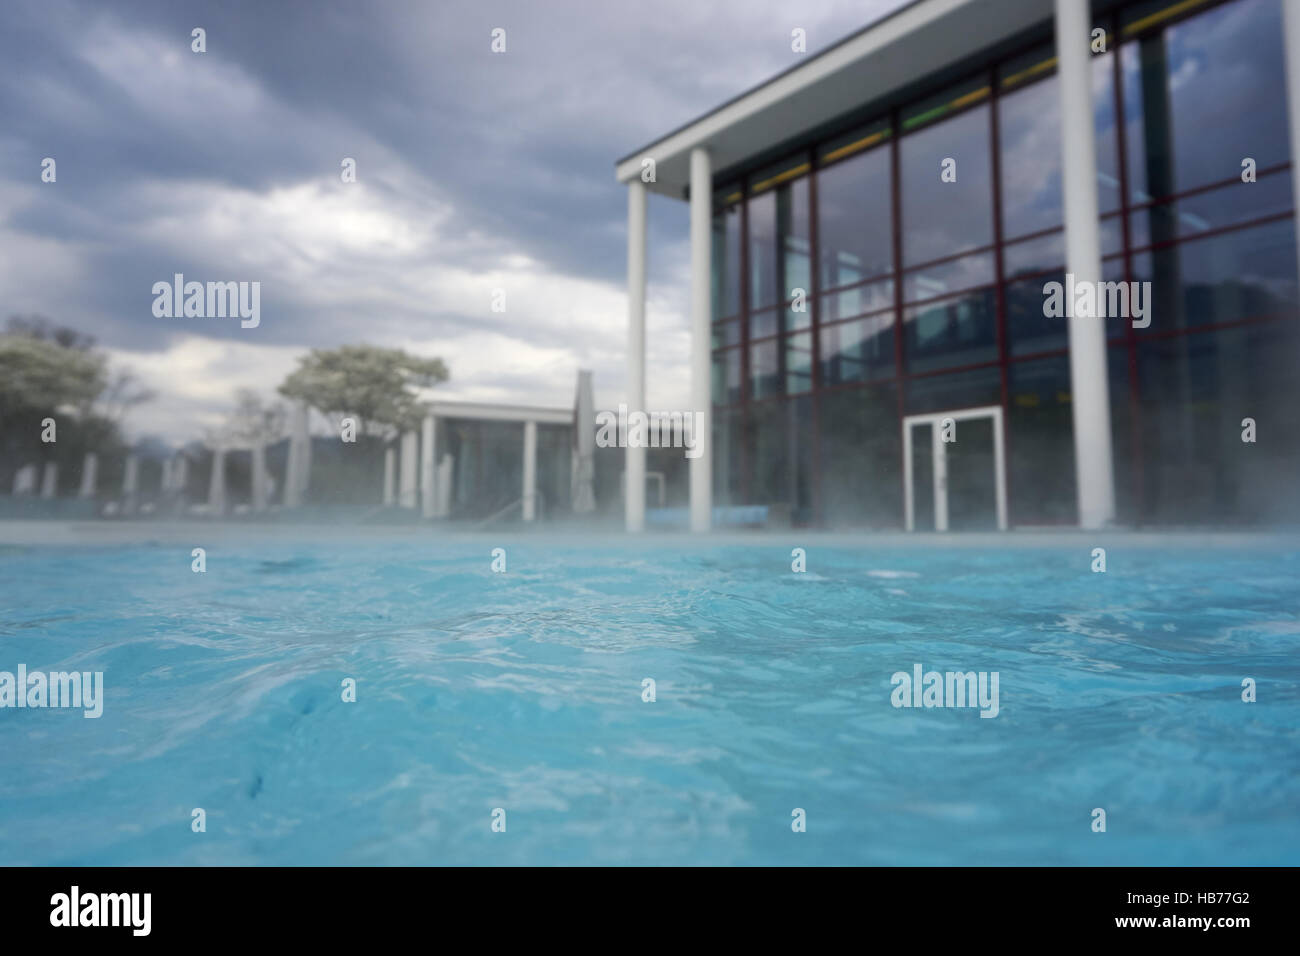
[
  {"x": 896, "y": 52},
  {"x": 483, "y": 411}
]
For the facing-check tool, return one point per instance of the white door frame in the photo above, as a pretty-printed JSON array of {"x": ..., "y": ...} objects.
[{"x": 940, "y": 458}]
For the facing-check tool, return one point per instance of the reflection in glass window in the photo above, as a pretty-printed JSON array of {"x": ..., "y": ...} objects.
[
  {"x": 728, "y": 452},
  {"x": 1034, "y": 256},
  {"x": 871, "y": 297},
  {"x": 940, "y": 219},
  {"x": 798, "y": 363},
  {"x": 763, "y": 324},
  {"x": 1029, "y": 130},
  {"x": 781, "y": 436},
  {"x": 726, "y": 263},
  {"x": 861, "y": 458},
  {"x": 726, "y": 377},
  {"x": 1195, "y": 391},
  {"x": 858, "y": 351},
  {"x": 1196, "y": 99},
  {"x": 764, "y": 370},
  {"x": 1234, "y": 275},
  {"x": 726, "y": 333},
  {"x": 930, "y": 282},
  {"x": 854, "y": 219},
  {"x": 956, "y": 331},
  {"x": 1040, "y": 449},
  {"x": 779, "y": 250},
  {"x": 1027, "y": 328},
  {"x": 933, "y": 393},
  {"x": 1207, "y": 211}
]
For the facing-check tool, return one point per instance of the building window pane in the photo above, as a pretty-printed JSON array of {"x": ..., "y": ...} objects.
[
  {"x": 764, "y": 370},
  {"x": 1034, "y": 256},
  {"x": 871, "y": 297},
  {"x": 1216, "y": 209},
  {"x": 861, "y": 458},
  {"x": 1027, "y": 328},
  {"x": 1195, "y": 391},
  {"x": 764, "y": 324},
  {"x": 956, "y": 331},
  {"x": 1234, "y": 275},
  {"x": 937, "y": 393},
  {"x": 930, "y": 282},
  {"x": 779, "y": 245},
  {"x": 854, "y": 219},
  {"x": 1196, "y": 99},
  {"x": 858, "y": 351},
  {"x": 1029, "y": 130},
  {"x": 798, "y": 363},
  {"x": 726, "y": 333},
  {"x": 726, "y": 377},
  {"x": 1040, "y": 442},
  {"x": 726, "y": 263},
  {"x": 780, "y": 434},
  {"x": 943, "y": 218}
]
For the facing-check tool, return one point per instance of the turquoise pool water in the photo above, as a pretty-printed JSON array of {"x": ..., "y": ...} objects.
[{"x": 523, "y": 691}]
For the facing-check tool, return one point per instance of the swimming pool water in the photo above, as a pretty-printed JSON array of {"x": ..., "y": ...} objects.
[{"x": 523, "y": 691}]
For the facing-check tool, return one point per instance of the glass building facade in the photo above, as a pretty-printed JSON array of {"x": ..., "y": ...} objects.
[{"x": 853, "y": 286}]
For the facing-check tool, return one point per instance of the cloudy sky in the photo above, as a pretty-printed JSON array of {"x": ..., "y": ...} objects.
[{"x": 475, "y": 171}]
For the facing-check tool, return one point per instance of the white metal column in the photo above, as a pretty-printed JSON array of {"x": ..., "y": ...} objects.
[
  {"x": 701, "y": 352},
  {"x": 1089, "y": 382},
  {"x": 1291, "y": 41},
  {"x": 89, "y": 475},
  {"x": 939, "y": 474},
  {"x": 50, "y": 480},
  {"x": 530, "y": 471},
  {"x": 634, "y": 485},
  {"x": 390, "y": 474},
  {"x": 406, "y": 486},
  {"x": 428, "y": 481},
  {"x": 216, "y": 481},
  {"x": 259, "y": 476}
]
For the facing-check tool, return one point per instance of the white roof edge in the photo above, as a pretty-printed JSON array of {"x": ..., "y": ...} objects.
[
  {"x": 484, "y": 411},
  {"x": 699, "y": 132}
]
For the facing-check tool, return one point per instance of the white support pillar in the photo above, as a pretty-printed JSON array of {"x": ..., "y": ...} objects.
[
  {"x": 50, "y": 480},
  {"x": 181, "y": 474},
  {"x": 530, "y": 472},
  {"x": 410, "y": 449},
  {"x": 89, "y": 475},
  {"x": 1291, "y": 43},
  {"x": 130, "y": 483},
  {"x": 289, "y": 497},
  {"x": 1090, "y": 400},
  {"x": 298, "y": 468},
  {"x": 390, "y": 475},
  {"x": 304, "y": 455},
  {"x": 428, "y": 479},
  {"x": 259, "y": 476},
  {"x": 446, "y": 471},
  {"x": 634, "y": 484},
  {"x": 25, "y": 480},
  {"x": 701, "y": 352},
  {"x": 216, "y": 482}
]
